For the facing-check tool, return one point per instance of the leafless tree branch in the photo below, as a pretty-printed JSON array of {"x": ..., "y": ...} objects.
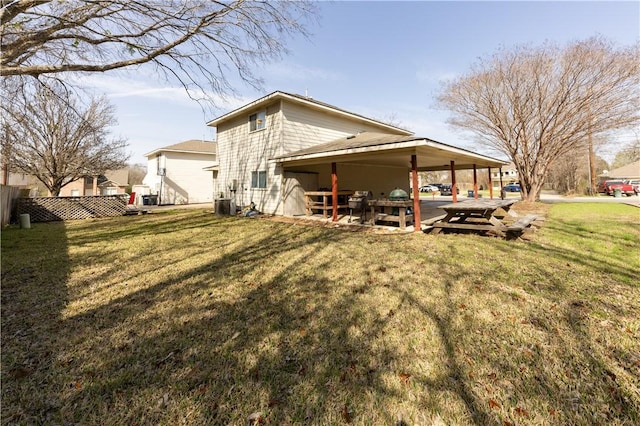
[
  {"x": 46, "y": 133},
  {"x": 183, "y": 38},
  {"x": 538, "y": 104}
]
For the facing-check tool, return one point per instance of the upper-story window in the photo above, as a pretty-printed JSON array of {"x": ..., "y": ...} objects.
[{"x": 257, "y": 121}]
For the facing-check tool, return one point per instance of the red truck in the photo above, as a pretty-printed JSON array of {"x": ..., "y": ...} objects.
[{"x": 610, "y": 186}]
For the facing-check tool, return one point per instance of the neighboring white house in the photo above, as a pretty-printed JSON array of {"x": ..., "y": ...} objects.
[
  {"x": 273, "y": 149},
  {"x": 509, "y": 175},
  {"x": 176, "y": 172}
]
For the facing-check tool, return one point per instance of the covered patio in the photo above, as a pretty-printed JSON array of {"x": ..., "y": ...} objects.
[{"x": 378, "y": 163}]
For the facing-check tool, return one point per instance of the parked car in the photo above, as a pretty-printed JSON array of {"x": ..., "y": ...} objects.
[
  {"x": 635, "y": 183},
  {"x": 512, "y": 187},
  {"x": 446, "y": 189},
  {"x": 429, "y": 188},
  {"x": 610, "y": 186}
]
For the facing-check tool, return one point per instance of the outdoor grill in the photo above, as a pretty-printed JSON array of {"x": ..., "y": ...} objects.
[
  {"x": 358, "y": 201},
  {"x": 398, "y": 195}
]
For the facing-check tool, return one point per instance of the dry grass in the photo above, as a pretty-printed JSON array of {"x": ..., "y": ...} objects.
[{"x": 185, "y": 318}]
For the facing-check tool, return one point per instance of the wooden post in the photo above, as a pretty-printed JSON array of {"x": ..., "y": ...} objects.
[
  {"x": 475, "y": 183},
  {"x": 501, "y": 185},
  {"x": 94, "y": 189},
  {"x": 490, "y": 185},
  {"x": 416, "y": 193},
  {"x": 334, "y": 191},
  {"x": 454, "y": 186}
]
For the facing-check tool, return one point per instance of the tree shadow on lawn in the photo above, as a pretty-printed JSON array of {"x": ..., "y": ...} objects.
[
  {"x": 35, "y": 269},
  {"x": 273, "y": 324},
  {"x": 288, "y": 347},
  {"x": 231, "y": 337}
]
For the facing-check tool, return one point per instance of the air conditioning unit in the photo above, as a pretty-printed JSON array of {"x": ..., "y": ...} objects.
[{"x": 162, "y": 171}]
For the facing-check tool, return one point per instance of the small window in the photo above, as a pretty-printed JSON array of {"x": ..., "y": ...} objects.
[
  {"x": 259, "y": 179},
  {"x": 257, "y": 121}
]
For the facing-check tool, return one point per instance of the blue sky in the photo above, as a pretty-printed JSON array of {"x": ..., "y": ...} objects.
[{"x": 379, "y": 59}]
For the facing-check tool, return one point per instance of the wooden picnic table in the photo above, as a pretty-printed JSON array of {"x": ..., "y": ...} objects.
[{"x": 475, "y": 215}]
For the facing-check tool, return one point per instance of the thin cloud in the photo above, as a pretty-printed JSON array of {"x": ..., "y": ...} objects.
[
  {"x": 121, "y": 87},
  {"x": 292, "y": 71}
]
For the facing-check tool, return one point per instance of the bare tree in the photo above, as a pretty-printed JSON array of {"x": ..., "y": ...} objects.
[
  {"x": 196, "y": 42},
  {"x": 628, "y": 154},
  {"x": 537, "y": 104},
  {"x": 46, "y": 133},
  {"x": 137, "y": 173}
]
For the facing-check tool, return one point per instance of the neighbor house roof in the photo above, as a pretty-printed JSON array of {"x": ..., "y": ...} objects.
[
  {"x": 310, "y": 103},
  {"x": 109, "y": 183},
  {"x": 630, "y": 171},
  {"x": 120, "y": 176},
  {"x": 391, "y": 150},
  {"x": 192, "y": 146}
]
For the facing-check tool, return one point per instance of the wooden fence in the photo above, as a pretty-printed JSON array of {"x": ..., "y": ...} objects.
[
  {"x": 48, "y": 209},
  {"x": 8, "y": 197}
]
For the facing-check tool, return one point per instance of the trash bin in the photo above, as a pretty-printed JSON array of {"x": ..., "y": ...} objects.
[
  {"x": 470, "y": 193},
  {"x": 145, "y": 200},
  {"x": 617, "y": 192},
  {"x": 153, "y": 200},
  {"x": 25, "y": 221}
]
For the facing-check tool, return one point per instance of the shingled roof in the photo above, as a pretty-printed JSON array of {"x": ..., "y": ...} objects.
[
  {"x": 385, "y": 149},
  {"x": 192, "y": 145}
]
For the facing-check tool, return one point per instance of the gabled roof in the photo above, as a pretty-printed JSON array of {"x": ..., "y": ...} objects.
[
  {"x": 120, "y": 176},
  {"x": 109, "y": 183},
  {"x": 309, "y": 103},
  {"x": 630, "y": 171},
  {"x": 195, "y": 146},
  {"x": 391, "y": 150}
]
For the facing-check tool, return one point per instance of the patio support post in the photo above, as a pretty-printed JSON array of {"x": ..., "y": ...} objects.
[
  {"x": 454, "y": 187},
  {"x": 416, "y": 193},
  {"x": 94, "y": 190},
  {"x": 334, "y": 192},
  {"x": 475, "y": 182},
  {"x": 490, "y": 185},
  {"x": 501, "y": 185}
]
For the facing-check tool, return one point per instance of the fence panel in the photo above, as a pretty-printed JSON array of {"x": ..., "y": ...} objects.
[
  {"x": 48, "y": 209},
  {"x": 8, "y": 197}
]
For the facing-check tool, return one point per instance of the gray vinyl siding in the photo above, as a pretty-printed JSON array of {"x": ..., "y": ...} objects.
[
  {"x": 242, "y": 152},
  {"x": 289, "y": 127},
  {"x": 305, "y": 127}
]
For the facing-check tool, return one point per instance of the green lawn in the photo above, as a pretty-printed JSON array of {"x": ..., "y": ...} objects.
[{"x": 185, "y": 318}]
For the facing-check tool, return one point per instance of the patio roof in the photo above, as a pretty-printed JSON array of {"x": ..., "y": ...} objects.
[{"x": 369, "y": 148}]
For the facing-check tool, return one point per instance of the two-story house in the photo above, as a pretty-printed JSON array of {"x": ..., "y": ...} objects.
[
  {"x": 273, "y": 149},
  {"x": 177, "y": 175}
]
